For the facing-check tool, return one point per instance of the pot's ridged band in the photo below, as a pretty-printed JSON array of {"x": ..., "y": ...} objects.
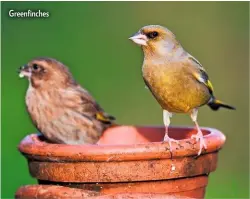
[
  {"x": 53, "y": 191},
  {"x": 159, "y": 186},
  {"x": 35, "y": 149},
  {"x": 127, "y": 171}
]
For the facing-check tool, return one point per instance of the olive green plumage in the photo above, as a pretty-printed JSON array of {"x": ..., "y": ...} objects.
[{"x": 176, "y": 79}]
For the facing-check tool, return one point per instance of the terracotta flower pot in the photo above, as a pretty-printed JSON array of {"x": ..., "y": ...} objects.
[{"x": 128, "y": 162}]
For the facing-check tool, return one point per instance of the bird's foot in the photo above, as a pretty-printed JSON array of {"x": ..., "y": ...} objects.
[
  {"x": 199, "y": 137},
  {"x": 170, "y": 140}
]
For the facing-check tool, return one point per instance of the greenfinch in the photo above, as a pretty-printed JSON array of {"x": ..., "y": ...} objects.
[
  {"x": 62, "y": 110},
  {"x": 175, "y": 78}
]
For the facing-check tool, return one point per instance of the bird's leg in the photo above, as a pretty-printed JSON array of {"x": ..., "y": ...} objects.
[
  {"x": 199, "y": 135},
  {"x": 166, "y": 121}
]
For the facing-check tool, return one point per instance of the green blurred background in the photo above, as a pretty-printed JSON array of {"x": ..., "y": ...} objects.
[{"x": 92, "y": 39}]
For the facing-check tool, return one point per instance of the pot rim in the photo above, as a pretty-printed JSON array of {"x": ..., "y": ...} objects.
[{"x": 33, "y": 148}]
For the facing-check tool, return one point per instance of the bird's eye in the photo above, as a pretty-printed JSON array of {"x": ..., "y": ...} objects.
[
  {"x": 152, "y": 35},
  {"x": 35, "y": 66}
]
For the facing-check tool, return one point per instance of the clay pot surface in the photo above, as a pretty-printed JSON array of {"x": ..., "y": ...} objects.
[
  {"x": 127, "y": 159},
  {"x": 48, "y": 192}
]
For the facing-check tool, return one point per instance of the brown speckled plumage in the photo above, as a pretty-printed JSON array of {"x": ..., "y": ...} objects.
[{"x": 61, "y": 109}]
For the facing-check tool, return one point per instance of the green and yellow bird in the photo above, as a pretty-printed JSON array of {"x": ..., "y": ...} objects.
[{"x": 176, "y": 79}]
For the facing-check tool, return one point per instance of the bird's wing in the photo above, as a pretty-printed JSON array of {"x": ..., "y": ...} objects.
[
  {"x": 86, "y": 105},
  {"x": 99, "y": 113},
  {"x": 201, "y": 75}
]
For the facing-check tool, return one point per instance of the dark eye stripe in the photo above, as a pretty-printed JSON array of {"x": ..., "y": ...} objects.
[{"x": 152, "y": 35}]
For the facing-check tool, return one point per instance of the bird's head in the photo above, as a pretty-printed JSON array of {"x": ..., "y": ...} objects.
[
  {"x": 154, "y": 39},
  {"x": 45, "y": 71}
]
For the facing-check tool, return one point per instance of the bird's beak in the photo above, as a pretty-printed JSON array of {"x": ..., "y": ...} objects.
[
  {"x": 24, "y": 71},
  {"x": 139, "y": 39}
]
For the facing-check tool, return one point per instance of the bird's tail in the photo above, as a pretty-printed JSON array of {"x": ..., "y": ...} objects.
[{"x": 216, "y": 104}]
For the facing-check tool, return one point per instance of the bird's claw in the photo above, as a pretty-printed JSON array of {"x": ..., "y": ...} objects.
[
  {"x": 199, "y": 137},
  {"x": 170, "y": 140}
]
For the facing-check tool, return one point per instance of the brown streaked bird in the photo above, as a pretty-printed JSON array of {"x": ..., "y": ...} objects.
[
  {"x": 60, "y": 108},
  {"x": 176, "y": 79}
]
